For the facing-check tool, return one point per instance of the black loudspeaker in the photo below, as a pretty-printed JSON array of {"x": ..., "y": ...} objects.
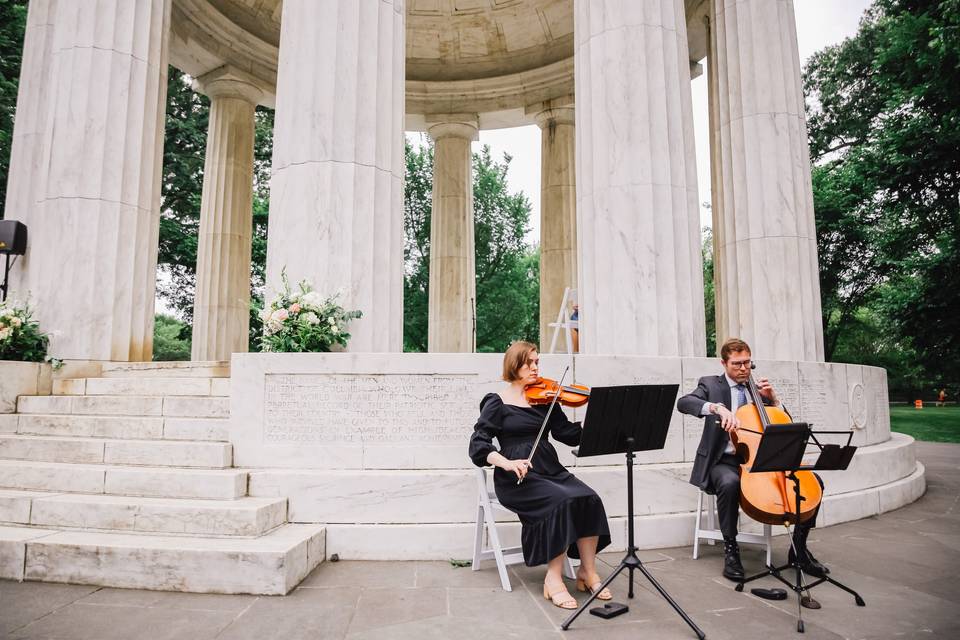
[{"x": 13, "y": 237}]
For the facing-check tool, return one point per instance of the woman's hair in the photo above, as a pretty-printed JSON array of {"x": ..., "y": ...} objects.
[{"x": 516, "y": 356}]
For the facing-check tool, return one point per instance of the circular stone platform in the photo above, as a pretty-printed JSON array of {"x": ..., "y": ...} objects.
[{"x": 375, "y": 445}]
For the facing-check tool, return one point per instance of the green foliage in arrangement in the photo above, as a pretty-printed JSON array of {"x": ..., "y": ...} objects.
[
  {"x": 171, "y": 339},
  {"x": 508, "y": 269},
  {"x": 21, "y": 339},
  {"x": 304, "y": 321},
  {"x": 883, "y": 113}
]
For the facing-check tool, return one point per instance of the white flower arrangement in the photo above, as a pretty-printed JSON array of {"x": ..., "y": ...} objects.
[
  {"x": 20, "y": 336},
  {"x": 304, "y": 321}
]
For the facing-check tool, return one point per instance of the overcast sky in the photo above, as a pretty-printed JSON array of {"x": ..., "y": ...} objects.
[{"x": 819, "y": 23}]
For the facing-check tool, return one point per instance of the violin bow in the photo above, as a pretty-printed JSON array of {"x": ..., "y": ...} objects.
[{"x": 536, "y": 443}]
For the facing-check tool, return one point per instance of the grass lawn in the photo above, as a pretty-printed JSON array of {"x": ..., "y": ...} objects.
[{"x": 933, "y": 424}]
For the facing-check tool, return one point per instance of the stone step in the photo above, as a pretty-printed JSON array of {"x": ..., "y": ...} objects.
[
  {"x": 133, "y": 405},
  {"x": 159, "y": 482},
  {"x": 241, "y": 517},
  {"x": 156, "y": 386},
  {"x": 213, "y": 369},
  {"x": 209, "y": 429},
  {"x": 270, "y": 565},
  {"x": 184, "y": 453},
  {"x": 148, "y": 428}
]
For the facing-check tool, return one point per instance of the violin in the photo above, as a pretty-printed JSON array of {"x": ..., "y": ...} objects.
[
  {"x": 768, "y": 497},
  {"x": 544, "y": 390}
]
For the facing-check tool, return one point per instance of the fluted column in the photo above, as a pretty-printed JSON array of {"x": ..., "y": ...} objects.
[
  {"x": 26, "y": 169},
  {"x": 767, "y": 285},
  {"x": 221, "y": 314},
  {"x": 94, "y": 228},
  {"x": 558, "y": 212},
  {"x": 26, "y": 166},
  {"x": 336, "y": 198},
  {"x": 453, "y": 286},
  {"x": 641, "y": 274}
]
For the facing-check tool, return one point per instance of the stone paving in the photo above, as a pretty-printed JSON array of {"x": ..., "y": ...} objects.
[{"x": 904, "y": 563}]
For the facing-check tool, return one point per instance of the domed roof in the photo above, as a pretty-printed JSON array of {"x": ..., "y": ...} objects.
[
  {"x": 451, "y": 39},
  {"x": 463, "y": 56}
]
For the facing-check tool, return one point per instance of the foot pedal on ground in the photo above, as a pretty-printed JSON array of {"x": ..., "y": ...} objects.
[{"x": 610, "y": 610}]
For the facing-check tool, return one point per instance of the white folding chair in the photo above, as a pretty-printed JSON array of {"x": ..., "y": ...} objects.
[
  {"x": 712, "y": 532},
  {"x": 486, "y": 522},
  {"x": 564, "y": 322}
]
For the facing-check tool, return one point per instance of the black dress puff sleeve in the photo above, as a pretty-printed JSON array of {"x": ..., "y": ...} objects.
[
  {"x": 488, "y": 427},
  {"x": 563, "y": 430}
]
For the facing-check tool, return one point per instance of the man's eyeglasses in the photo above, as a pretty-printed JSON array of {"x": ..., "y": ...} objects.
[{"x": 741, "y": 364}]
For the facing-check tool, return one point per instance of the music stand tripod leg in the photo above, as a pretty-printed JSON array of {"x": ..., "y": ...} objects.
[{"x": 632, "y": 562}]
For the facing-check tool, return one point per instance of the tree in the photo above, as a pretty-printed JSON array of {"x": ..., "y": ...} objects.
[
  {"x": 709, "y": 293},
  {"x": 508, "y": 270},
  {"x": 417, "y": 206},
  {"x": 883, "y": 109},
  {"x": 171, "y": 339},
  {"x": 13, "y": 17},
  {"x": 184, "y": 152}
]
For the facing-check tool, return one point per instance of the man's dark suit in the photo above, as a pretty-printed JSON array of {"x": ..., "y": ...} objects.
[
  {"x": 713, "y": 471},
  {"x": 714, "y": 439}
]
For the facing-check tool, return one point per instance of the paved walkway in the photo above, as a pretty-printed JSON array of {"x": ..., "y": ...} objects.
[{"x": 905, "y": 564}]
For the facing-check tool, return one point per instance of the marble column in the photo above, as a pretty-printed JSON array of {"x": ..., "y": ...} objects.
[
  {"x": 31, "y": 99},
  {"x": 558, "y": 213},
  {"x": 221, "y": 315},
  {"x": 765, "y": 245},
  {"x": 336, "y": 199},
  {"x": 641, "y": 273},
  {"x": 95, "y": 223},
  {"x": 25, "y": 166},
  {"x": 453, "y": 282}
]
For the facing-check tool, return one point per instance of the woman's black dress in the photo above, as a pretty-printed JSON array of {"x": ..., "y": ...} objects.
[{"x": 554, "y": 507}]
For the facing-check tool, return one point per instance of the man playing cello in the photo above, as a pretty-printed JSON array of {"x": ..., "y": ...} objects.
[{"x": 716, "y": 468}]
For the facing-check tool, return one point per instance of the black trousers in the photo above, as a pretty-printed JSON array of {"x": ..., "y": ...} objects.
[{"x": 725, "y": 478}]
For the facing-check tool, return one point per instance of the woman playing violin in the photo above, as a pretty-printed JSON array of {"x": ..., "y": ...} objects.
[{"x": 560, "y": 515}]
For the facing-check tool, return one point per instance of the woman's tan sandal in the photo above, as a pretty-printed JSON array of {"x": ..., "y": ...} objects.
[
  {"x": 595, "y": 583},
  {"x": 559, "y": 596}
]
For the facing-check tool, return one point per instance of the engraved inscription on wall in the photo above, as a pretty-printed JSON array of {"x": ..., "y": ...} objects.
[{"x": 368, "y": 409}]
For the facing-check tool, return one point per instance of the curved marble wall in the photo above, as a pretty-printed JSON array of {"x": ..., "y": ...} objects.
[{"x": 381, "y": 457}]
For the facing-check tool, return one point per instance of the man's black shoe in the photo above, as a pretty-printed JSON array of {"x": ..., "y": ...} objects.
[
  {"x": 732, "y": 568},
  {"x": 808, "y": 564}
]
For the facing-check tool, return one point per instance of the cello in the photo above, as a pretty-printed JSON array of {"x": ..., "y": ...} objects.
[{"x": 767, "y": 497}]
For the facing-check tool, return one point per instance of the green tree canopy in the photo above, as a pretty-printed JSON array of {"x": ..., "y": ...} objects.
[
  {"x": 13, "y": 18},
  {"x": 883, "y": 110},
  {"x": 508, "y": 270},
  {"x": 183, "y": 158}
]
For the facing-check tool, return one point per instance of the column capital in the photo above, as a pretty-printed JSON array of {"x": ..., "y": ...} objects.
[
  {"x": 558, "y": 115},
  {"x": 457, "y": 125},
  {"x": 230, "y": 82}
]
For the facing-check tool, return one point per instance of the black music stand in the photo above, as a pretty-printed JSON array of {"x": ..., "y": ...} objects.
[
  {"x": 781, "y": 449},
  {"x": 625, "y": 419}
]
